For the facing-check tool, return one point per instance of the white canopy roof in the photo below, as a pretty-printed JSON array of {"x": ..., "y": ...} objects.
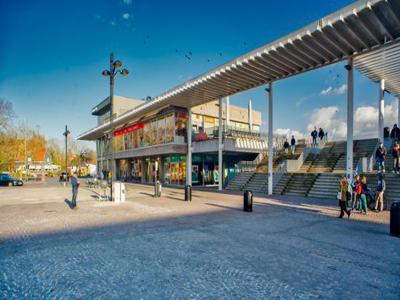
[{"x": 361, "y": 30}]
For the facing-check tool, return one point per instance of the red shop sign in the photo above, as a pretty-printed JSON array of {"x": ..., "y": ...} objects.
[{"x": 128, "y": 129}]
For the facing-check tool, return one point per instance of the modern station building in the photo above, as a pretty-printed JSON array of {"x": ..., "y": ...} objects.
[
  {"x": 154, "y": 144},
  {"x": 364, "y": 35}
]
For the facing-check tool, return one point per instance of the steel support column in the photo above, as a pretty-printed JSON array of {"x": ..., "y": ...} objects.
[
  {"x": 250, "y": 116},
  {"x": 350, "y": 119},
  {"x": 398, "y": 111},
  {"x": 220, "y": 145},
  {"x": 228, "y": 112},
  {"x": 381, "y": 109},
  {"x": 270, "y": 140},
  {"x": 189, "y": 150}
]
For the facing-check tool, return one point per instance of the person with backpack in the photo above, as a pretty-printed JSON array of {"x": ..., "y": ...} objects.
[
  {"x": 321, "y": 134},
  {"x": 395, "y": 133},
  {"x": 314, "y": 135},
  {"x": 343, "y": 188},
  {"x": 286, "y": 147},
  {"x": 380, "y": 190},
  {"x": 293, "y": 144},
  {"x": 380, "y": 157},
  {"x": 396, "y": 154}
]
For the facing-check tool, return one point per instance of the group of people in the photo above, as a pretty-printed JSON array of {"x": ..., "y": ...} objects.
[
  {"x": 354, "y": 195},
  {"x": 292, "y": 145},
  {"x": 317, "y": 134},
  {"x": 381, "y": 152}
]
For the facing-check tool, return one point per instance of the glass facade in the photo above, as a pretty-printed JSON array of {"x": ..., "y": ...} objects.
[{"x": 169, "y": 128}]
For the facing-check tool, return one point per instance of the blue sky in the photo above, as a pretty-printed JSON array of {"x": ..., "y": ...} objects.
[{"x": 52, "y": 54}]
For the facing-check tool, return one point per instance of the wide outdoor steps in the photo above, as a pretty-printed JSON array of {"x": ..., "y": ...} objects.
[
  {"x": 325, "y": 186},
  {"x": 299, "y": 184},
  {"x": 239, "y": 181},
  {"x": 258, "y": 183},
  {"x": 392, "y": 181}
]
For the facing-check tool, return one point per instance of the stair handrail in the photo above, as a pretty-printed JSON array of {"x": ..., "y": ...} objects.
[
  {"x": 279, "y": 173},
  {"x": 295, "y": 164}
]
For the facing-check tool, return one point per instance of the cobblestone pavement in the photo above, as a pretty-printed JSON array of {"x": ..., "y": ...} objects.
[{"x": 152, "y": 248}]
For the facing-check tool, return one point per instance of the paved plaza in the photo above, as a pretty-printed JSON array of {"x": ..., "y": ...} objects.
[{"x": 163, "y": 248}]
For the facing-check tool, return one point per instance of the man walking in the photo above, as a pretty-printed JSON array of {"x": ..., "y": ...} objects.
[
  {"x": 75, "y": 185},
  {"x": 380, "y": 189},
  {"x": 380, "y": 156},
  {"x": 314, "y": 135},
  {"x": 293, "y": 144},
  {"x": 396, "y": 154}
]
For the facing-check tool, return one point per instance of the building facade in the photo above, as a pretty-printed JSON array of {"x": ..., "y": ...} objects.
[{"x": 154, "y": 146}]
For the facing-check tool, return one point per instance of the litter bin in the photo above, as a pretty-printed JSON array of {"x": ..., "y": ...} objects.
[
  {"x": 188, "y": 193},
  {"x": 248, "y": 201},
  {"x": 395, "y": 219}
]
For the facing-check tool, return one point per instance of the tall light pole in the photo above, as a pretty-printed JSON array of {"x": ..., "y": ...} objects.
[
  {"x": 66, "y": 133},
  {"x": 115, "y": 66}
]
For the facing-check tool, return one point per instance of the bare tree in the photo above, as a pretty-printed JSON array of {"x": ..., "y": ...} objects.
[{"x": 6, "y": 114}]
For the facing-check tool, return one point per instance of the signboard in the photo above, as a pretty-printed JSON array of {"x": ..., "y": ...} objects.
[{"x": 128, "y": 129}]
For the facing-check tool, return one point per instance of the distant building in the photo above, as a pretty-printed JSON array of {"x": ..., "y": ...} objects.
[{"x": 153, "y": 143}]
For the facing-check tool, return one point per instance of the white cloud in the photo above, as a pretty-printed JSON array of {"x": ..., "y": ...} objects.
[
  {"x": 127, "y": 2},
  {"x": 341, "y": 90},
  {"x": 287, "y": 132},
  {"x": 327, "y": 91},
  {"x": 327, "y": 118},
  {"x": 334, "y": 91},
  {"x": 365, "y": 121},
  {"x": 126, "y": 16}
]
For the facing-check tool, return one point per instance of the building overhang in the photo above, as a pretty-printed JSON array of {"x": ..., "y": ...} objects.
[{"x": 362, "y": 28}]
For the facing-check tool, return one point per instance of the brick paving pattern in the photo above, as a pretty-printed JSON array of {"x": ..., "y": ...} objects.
[{"x": 150, "y": 248}]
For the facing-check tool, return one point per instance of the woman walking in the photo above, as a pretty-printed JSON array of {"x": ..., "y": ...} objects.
[
  {"x": 363, "y": 196},
  {"x": 344, "y": 187}
]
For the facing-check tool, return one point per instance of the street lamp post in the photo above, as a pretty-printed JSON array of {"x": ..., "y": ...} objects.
[
  {"x": 66, "y": 133},
  {"x": 115, "y": 68}
]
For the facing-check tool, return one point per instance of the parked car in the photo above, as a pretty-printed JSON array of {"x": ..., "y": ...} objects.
[{"x": 7, "y": 180}]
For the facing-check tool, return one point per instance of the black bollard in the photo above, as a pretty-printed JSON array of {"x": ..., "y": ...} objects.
[
  {"x": 188, "y": 193},
  {"x": 248, "y": 201},
  {"x": 395, "y": 219}
]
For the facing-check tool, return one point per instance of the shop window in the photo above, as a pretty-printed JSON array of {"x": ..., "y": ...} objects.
[
  {"x": 169, "y": 129},
  {"x": 161, "y": 131}
]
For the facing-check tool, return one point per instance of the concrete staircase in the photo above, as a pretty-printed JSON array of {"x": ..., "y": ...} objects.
[
  {"x": 392, "y": 193},
  {"x": 239, "y": 181},
  {"x": 325, "y": 186},
  {"x": 280, "y": 186},
  {"x": 299, "y": 184},
  {"x": 258, "y": 183}
]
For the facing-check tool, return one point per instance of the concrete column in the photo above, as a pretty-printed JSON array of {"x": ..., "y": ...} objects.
[
  {"x": 350, "y": 119},
  {"x": 381, "y": 109},
  {"x": 228, "y": 112},
  {"x": 220, "y": 145},
  {"x": 398, "y": 111},
  {"x": 270, "y": 140},
  {"x": 250, "y": 116},
  {"x": 143, "y": 168},
  {"x": 189, "y": 150}
]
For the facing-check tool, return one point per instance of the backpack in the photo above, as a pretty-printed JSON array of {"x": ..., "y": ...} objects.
[{"x": 358, "y": 189}]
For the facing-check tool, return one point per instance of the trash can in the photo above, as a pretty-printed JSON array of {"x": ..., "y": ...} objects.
[
  {"x": 248, "y": 201},
  {"x": 188, "y": 192},
  {"x": 395, "y": 219}
]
